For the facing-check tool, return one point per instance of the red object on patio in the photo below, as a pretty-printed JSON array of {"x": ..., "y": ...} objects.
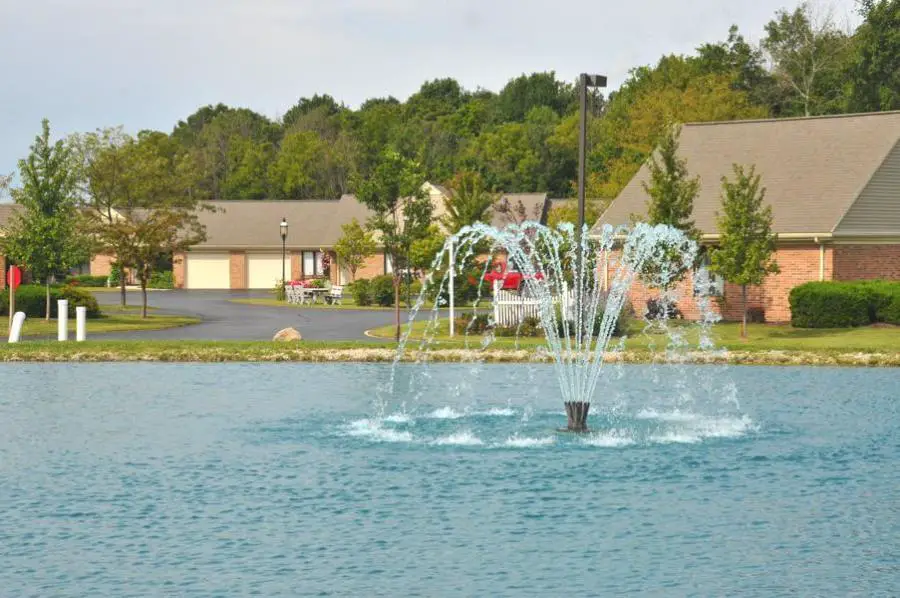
[{"x": 511, "y": 280}]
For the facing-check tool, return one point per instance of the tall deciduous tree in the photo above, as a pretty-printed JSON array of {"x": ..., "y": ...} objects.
[
  {"x": 45, "y": 235},
  {"x": 140, "y": 208},
  {"x": 875, "y": 70},
  {"x": 745, "y": 254},
  {"x": 402, "y": 211},
  {"x": 354, "y": 247},
  {"x": 808, "y": 54}
]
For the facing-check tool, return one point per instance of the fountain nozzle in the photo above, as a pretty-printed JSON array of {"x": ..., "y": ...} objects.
[{"x": 577, "y": 413}]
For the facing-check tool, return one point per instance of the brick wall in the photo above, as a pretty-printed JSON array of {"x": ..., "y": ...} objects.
[
  {"x": 373, "y": 266},
  {"x": 179, "y": 269},
  {"x": 866, "y": 262},
  {"x": 798, "y": 264},
  {"x": 3, "y": 270},
  {"x": 237, "y": 270},
  {"x": 101, "y": 265},
  {"x": 296, "y": 272}
]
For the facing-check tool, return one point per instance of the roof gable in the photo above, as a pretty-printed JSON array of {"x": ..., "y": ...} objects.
[
  {"x": 813, "y": 169},
  {"x": 877, "y": 209}
]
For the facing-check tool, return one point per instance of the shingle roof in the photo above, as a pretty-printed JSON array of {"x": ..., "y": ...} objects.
[
  {"x": 254, "y": 224},
  {"x": 813, "y": 169}
]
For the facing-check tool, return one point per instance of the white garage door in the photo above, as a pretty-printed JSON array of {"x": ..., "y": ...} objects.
[
  {"x": 264, "y": 270},
  {"x": 208, "y": 271}
]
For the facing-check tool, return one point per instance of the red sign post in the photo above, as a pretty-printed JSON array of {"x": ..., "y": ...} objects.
[{"x": 13, "y": 279}]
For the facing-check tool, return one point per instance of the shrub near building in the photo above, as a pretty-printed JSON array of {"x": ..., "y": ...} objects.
[
  {"x": 32, "y": 300},
  {"x": 845, "y": 304}
]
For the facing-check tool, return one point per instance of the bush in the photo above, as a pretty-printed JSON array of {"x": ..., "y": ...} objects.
[
  {"x": 382, "y": 290},
  {"x": 32, "y": 299},
  {"x": 658, "y": 310},
  {"x": 115, "y": 275},
  {"x": 361, "y": 291},
  {"x": 844, "y": 304},
  {"x": 162, "y": 280},
  {"x": 472, "y": 324},
  {"x": 86, "y": 280}
]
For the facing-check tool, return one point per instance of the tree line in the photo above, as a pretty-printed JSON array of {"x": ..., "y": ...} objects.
[{"x": 524, "y": 137}]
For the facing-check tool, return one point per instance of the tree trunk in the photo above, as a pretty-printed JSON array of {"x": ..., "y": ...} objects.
[
  {"x": 143, "y": 298},
  {"x": 47, "y": 312},
  {"x": 122, "y": 299},
  {"x": 744, "y": 308},
  {"x": 397, "y": 306}
]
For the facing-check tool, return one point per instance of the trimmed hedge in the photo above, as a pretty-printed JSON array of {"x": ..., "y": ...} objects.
[
  {"x": 163, "y": 280},
  {"x": 32, "y": 300},
  {"x": 845, "y": 304}
]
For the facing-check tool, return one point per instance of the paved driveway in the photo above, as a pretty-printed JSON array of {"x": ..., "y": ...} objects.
[{"x": 224, "y": 320}]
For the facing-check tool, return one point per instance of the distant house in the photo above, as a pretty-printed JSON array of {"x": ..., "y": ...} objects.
[
  {"x": 243, "y": 247},
  {"x": 834, "y": 186}
]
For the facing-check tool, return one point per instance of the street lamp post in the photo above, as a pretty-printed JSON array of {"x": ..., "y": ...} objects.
[{"x": 284, "y": 231}]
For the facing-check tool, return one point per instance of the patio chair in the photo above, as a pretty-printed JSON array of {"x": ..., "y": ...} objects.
[{"x": 335, "y": 295}]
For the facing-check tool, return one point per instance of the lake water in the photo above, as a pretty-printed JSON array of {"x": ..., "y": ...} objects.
[{"x": 276, "y": 480}]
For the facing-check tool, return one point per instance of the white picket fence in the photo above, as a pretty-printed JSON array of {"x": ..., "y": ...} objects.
[{"x": 511, "y": 307}]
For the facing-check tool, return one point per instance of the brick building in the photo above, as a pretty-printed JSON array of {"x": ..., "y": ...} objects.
[{"x": 834, "y": 187}]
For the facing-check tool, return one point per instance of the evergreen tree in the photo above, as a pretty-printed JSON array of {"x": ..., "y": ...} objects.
[{"x": 671, "y": 190}]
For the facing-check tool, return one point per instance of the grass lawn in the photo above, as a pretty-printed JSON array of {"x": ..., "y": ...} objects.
[
  {"x": 112, "y": 320},
  {"x": 761, "y": 337}
]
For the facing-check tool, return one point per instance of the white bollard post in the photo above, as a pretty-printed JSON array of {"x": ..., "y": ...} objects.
[
  {"x": 62, "y": 320},
  {"x": 80, "y": 323},
  {"x": 15, "y": 331}
]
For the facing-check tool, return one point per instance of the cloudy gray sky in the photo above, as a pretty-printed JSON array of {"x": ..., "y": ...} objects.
[{"x": 147, "y": 63}]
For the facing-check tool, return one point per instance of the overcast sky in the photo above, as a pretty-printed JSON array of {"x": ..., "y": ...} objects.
[{"x": 145, "y": 64}]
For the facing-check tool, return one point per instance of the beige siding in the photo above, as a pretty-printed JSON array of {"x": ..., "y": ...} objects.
[
  {"x": 208, "y": 270},
  {"x": 877, "y": 211}
]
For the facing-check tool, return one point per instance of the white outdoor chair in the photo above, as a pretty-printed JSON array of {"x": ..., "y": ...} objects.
[{"x": 335, "y": 295}]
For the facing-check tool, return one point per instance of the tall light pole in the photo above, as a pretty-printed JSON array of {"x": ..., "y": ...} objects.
[
  {"x": 585, "y": 81},
  {"x": 284, "y": 227},
  {"x": 577, "y": 411}
]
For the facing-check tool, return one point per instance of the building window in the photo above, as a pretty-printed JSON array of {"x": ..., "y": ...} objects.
[
  {"x": 312, "y": 263},
  {"x": 388, "y": 264},
  {"x": 706, "y": 282}
]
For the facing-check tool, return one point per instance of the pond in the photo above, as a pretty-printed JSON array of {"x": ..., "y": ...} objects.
[{"x": 277, "y": 480}]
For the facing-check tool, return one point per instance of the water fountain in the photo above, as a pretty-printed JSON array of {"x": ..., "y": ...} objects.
[{"x": 574, "y": 289}]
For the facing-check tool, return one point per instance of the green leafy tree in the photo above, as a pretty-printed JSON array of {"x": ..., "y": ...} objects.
[
  {"x": 45, "y": 236},
  {"x": 745, "y": 253},
  {"x": 354, "y": 247},
  {"x": 402, "y": 212},
  {"x": 808, "y": 54},
  {"x": 468, "y": 202},
  {"x": 874, "y": 73},
  {"x": 294, "y": 170},
  {"x": 139, "y": 205}
]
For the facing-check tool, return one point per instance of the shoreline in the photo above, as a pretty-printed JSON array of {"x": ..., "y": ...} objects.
[{"x": 270, "y": 353}]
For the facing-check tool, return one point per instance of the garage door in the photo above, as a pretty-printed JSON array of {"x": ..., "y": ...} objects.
[
  {"x": 264, "y": 270},
  {"x": 208, "y": 271}
]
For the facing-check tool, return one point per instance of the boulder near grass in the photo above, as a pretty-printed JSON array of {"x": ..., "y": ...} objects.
[{"x": 287, "y": 335}]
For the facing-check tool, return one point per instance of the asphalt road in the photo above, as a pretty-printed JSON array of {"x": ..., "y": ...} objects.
[{"x": 223, "y": 319}]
